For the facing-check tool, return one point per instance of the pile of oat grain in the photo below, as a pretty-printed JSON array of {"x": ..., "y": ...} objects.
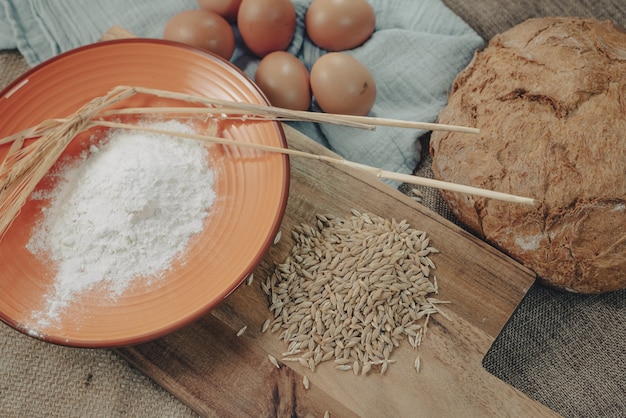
[{"x": 351, "y": 290}]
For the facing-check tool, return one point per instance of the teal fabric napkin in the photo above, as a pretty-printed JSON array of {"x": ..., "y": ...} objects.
[{"x": 416, "y": 51}]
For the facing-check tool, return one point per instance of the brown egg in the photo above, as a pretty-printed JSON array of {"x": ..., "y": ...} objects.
[
  {"x": 337, "y": 25},
  {"x": 284, "y": 79},
  {"x": 342, "y": 84},
  {"x": 266, "y": 25},
  {"x": 202, "y": 29},
  {"x": 226, "y": 8}
]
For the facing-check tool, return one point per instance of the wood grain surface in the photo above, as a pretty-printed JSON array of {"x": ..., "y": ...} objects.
[{"x": 216, "y": 373}]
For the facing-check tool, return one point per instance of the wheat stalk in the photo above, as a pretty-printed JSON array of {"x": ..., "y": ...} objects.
[
  {"x": 271, "y": 112},
  {"x": 25, "y": 165},
  {"x": 390, "y": 175}
]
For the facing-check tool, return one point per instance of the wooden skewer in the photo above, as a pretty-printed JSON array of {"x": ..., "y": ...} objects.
[
  {"x": 406, "y": 178},
  {"x": 238, "y": 113},
  {"x": 256, "y": 109},
  {"x": 363, "y": 122},
  {"x": 244, "y": 111}
]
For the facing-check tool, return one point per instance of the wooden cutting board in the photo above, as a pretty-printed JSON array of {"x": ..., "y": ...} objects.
[{"x": 216, "y": 373}]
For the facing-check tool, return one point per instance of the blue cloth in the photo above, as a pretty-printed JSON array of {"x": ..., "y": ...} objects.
[{"x": 416, "y": 51}]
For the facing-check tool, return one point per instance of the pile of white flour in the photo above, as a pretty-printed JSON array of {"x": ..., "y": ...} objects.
[{"x": 126, "y": 210}]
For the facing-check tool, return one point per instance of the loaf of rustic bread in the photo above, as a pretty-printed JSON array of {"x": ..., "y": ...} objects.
[{"x": 549, "y": 97}]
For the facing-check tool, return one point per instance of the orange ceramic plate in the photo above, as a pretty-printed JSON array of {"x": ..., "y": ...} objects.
[{"x": 251, "y": 188}]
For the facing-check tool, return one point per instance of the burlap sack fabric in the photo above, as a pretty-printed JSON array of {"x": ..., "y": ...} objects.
[{"x": 566, "y": 351}]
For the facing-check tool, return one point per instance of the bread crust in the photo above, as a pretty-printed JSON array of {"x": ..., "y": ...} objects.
[{"x": 549, "y": 97}]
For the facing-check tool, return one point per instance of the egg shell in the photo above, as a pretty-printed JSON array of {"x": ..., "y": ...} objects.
[
  {"x": 226, "y": 8},
  {"x": 342, "y": 84},
  {"x": 339, "y": 25},
  {"x": 202, "y": 29},
  {"x": 266, "y": 25},
  {"x": 284, "y": 79}
]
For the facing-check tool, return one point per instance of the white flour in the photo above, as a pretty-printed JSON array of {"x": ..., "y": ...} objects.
[{"x": 126, "y": 211}]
